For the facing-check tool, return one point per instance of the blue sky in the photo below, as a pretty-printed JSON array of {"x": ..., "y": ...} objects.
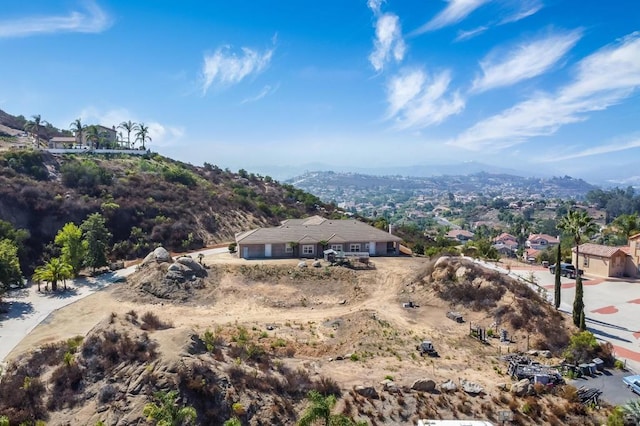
[{"x": 548, "y": 86}]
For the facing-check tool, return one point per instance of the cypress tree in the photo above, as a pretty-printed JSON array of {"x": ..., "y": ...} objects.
[
  {"x": 578, "y": 304},
  {"x": 557, "y": 287}
]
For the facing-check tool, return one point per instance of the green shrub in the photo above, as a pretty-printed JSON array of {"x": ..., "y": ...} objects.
[{"x": 27, "y": 162}]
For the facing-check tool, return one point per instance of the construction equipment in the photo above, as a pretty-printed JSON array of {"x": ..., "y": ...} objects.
[{"x": 426, "y": 348}]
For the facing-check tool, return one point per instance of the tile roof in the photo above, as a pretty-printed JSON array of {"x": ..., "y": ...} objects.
[
  {"x": 315, "y": 229},
  {"x": 598, "y": 250},
  {"x": 505, "y": 237},
  {"x": 456, "y": 232},
  {"x": 548, "y": 238}
]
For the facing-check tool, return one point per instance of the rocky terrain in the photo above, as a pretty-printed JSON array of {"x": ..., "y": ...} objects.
[{"x": 250, "y": 340}]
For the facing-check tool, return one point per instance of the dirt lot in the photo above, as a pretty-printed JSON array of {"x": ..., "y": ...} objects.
[
  {"x": 350, "y": 313},
  {"x": 347, "y": 325}
]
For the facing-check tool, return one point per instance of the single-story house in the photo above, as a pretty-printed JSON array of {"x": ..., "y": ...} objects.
[
  {"x": 541, "y": 241},
  {"x": 603, "y": 261},
  {"x": 460, "y": 235},
  {"x": 309, "y": 237},
  {"x": 58, "y": 142}
]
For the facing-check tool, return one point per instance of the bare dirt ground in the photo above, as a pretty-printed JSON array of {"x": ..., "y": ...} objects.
[
  {"x": 351, "y": 313},
  {"x": 347, "y": 325}
]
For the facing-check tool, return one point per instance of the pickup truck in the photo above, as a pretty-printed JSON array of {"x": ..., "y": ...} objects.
[
  {"x": 566, "y": 270},
  {"x": 633, "y": 383}
]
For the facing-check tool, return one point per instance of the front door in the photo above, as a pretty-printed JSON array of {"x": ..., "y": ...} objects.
[
  {"x": 267, "y": 250},
  {"x": 372, "y": 248},
  {"x": 245, "y": 252}
]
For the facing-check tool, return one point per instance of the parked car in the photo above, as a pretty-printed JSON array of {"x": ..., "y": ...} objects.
[
  {"x": 566, "y": 270},
  {"x": 633, "y": 383}
]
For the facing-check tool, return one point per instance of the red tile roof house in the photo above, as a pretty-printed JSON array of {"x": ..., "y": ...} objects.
[
  {"x": 605, "y": 261},
  {"x": 460, "y": 235},
  {"x": 309, "y": 237},
  {"x": 506, "y": 244},
  {"x": 541, "y": 241}
]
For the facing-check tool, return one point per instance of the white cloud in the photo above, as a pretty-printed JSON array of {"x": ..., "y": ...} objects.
[
  {"x": 455, "y": 12},
  {"x": 266, "y": 90},
  {"x": 596, "y": 150},
  {"x": 375, "y": 5},
  {"x": 602, "y": 79},
  {"x": 417, "y": 100},
  {"x": 526, "y": 8},
  {"x": 92, "y": 20},
  {"x": 224, "y": 67},
  {"x": 466, "y": 35},
  {"x": 389, "y": 42},
  {"x": 523, "y": 61}
]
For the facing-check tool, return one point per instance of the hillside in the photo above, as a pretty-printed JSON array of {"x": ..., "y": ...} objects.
[
  {"x": 250, "y": 340},
  {"x": 147, "y": 200}
]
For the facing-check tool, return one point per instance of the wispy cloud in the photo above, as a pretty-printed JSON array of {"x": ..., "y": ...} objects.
[
  {"x": 418, "y": 100},
  {"x": 602, "y": 79},
  {"x": 266, "y": 90},
  {"x": 92, "y": 20},
  {"x": 596, "y": 150},
  {"x": 225, "y": 67},
  {"x": 389, "y": 42},
  {"x": 456, "y": 11},
  {"x": 466, "y": 35},
  {"x": 523, "y": 61},
  {"x": 525, "y": 9}
]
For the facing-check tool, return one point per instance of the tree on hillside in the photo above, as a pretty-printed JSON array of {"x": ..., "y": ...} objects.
[
  {"x": 96, "y": 238},
  {"x": 142, "y": 134},
  {"x": 69, "y": 238},
  {"x": 578, "y": 223},
  {"x": 10, "y": 273},
  {"x": 53, "y": 271},
  {"x": 129, "y": 127},
  {"x": 77, "y": 128},
  {"x": 167, "y": 412},
  {"x": 627, "y": 224},
  {"x": 93, "y": 136},
  {"x": 33, "y": 126},
  {"x": 558, "y": 284}
]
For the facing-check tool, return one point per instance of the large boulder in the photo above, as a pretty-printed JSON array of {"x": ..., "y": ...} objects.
[
  {"x": 159, "y": 255},
  {"x": 367, "y": 391},
  {"x": 520, "y": 388},
  {"x": 424, "y": 385},
  {"x": 194, "y": 266}
]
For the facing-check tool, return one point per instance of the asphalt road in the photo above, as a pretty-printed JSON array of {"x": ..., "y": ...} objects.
[{"x": 610, "y": 383}]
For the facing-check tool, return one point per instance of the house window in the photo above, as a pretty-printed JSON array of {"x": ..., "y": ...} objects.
[
  {"x": 307, "y": 249},
  {"x": 586, "y": 261},
  {"x": 288, "y": 248},
  {"x": 336, "y": 247},
  {"x": 354, "y": 247},
  {"x": 366, "y": 247}
]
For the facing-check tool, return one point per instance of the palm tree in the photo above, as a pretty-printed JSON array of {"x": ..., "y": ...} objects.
[
  {"x": 93, "y": 136},
  {"x": 77, "y": 128},
  {"x": 142, "y": 134},
  {"x": 53, "y": 271},
  {"x": 128, "y": 126},
  {"x": 632, "y": 410},
  {"x": 33, "y": 127},
  {"x": 578, "y": 223},
  {"x": 169, "y": 413},
  {"x": 627, "y": 224}
]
